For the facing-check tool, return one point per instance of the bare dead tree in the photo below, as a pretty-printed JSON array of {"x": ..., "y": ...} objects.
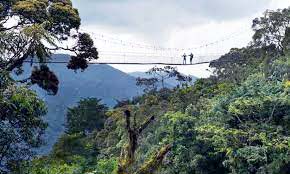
[{"x": 127, "y": 157}]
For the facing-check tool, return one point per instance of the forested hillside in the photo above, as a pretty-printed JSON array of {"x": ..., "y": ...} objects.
[{"x": 236, "y": 121}]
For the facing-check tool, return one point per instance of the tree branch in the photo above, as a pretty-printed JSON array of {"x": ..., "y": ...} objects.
[
  {"x": 15, "y": 63},
  {"x": 145, "y": 124},
  {"x": 152, "y": 165}
]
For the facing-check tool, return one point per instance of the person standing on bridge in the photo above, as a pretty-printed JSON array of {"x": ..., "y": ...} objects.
[
  {"x": 184, "y": 58},
  {"x": 191, "y": 58}
]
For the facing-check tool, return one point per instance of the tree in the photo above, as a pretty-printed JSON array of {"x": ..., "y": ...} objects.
[
  {"x": 127, "y": 157},
  {"x": 40, "y": 27},
  {"x": 236, "y": 65},
  {"x": 33, "y": 29},
  {"x": 21, "y": 124},
  {"x": 163, "y": 73},
  {"x": 250, "y": 126},
  {"x": 28, "y": 29},
  {"x": 271, "y": 29},
  {"x": 87, "y": 116},
  {"x": 176, "y": 129},
  {"x": 160, "y": 75}
]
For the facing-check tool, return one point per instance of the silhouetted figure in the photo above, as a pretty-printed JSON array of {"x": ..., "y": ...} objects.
[
  {"x": 191, "y": 58},
  {"x": 184, "y": 58}
]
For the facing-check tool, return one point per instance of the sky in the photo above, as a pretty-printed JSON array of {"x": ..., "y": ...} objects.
[{"x": 163, "y": 30}]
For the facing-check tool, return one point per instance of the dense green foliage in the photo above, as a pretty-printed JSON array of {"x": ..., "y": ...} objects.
[
  {"x": 214, "y": 126},
  {"x": 21, "y": 123},
  {"x": 89, "y": 115},
  {"x": 236, "y": 121}
]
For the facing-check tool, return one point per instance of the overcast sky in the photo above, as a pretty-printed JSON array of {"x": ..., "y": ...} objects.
[{"x": 128, "y": 25}]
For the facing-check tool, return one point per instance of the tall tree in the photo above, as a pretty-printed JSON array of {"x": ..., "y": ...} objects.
[
  {"x": 127, "y": 157},
  {"x": 163, "y": 73},
  {"x": 35, "y": 28},
  {"x": 271, "y": 28},
  {"x": 21, "y": 123},
  {"x": 87, "y": 116},
  {"x": 237, "y": 64}
]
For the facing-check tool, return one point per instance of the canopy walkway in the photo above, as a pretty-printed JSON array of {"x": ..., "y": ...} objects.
[
  {"x": 115, "y": 51},
  {"x": 126, "y": 60}
]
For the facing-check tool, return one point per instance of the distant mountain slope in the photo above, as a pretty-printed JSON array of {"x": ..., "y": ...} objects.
[
  {"x": 100, "y": 81},
  {"x": 170, "y": 83}
]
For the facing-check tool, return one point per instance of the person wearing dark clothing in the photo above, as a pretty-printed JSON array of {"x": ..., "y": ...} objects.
[
  {"x": 191, "y": 58},
  {"x": 184, "y": 58}
]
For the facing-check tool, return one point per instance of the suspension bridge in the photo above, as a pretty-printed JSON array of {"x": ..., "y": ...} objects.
[{"x": 116, "y": 51}]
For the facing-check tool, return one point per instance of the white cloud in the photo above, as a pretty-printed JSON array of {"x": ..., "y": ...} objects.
[{"x": 172, "y": 23}]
